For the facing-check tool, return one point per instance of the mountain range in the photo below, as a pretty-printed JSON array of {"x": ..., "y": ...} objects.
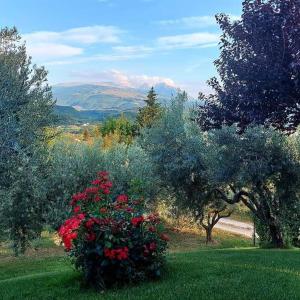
[{"x": 91, "y": 102}]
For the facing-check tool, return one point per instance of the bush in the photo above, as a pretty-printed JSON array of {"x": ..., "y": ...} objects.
[
  {"x": 73, "y": 166},
  {"x": 110, "y": 239}
]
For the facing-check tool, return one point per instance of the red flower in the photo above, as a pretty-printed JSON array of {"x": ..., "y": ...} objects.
[
  {"x": 97, "y": 198},
  {"x": 78, "y": 197},
  {"x": 154, "y": 218},
  {"x": 91, "y": 236},
  {"x": 152, "y": 246},
  {"x": 109, "y": 184},
  {"x": 96, "y": 182},
  {"x": 136, "y": 221},
  {"x": 107, "y": 253},
  {"x": 123, "y": 254},
  {"x": 89, "y": 223},
  {"x": 68, "y": 231},
  {"x": 76, "y": 209},
  {"x": 106, "y": 191},
  {"x": 152, "y": 229},
  {"x": 103, "y": 174},
  {"x": 119, "y": 254},
  {"x": 122, "y": 198}
]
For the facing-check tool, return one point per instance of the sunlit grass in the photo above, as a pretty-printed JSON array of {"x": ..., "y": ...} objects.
[
  {"x": 227, "y": 269},
  {"x": 205, "y": 274}
]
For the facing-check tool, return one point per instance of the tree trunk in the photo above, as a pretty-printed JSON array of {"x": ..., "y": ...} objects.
[
  {"x": 209, "y": 234},
  {"x": 276, "y": 236}
]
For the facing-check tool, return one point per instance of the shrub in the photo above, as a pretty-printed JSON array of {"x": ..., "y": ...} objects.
[
  {"x": 73, "y": 166},
  {"x": 110, "y": 239}
]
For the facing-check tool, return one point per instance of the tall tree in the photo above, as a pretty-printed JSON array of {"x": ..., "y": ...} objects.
[
  {"x": 151, "y": 112},
  {"x": 122, "y": 129},
  {"x": 25, "y": 112},
  {"x": 259, "y": 68},
  {"x": 177, "y": 149}
]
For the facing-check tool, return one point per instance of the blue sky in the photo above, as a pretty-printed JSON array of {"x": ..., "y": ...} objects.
[{"x": 130, "y": 42}]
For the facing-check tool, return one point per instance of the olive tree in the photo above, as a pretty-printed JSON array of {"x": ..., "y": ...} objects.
[
  {"x": 26, "y": 108},
  {"x": 177, "y": 148},
  {"x": 260, "y": 168}
]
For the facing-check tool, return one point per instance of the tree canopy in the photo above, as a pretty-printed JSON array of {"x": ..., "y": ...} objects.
[
  {"x": 26, "y": 107},
  {"x": 259, "y": 68},
  {"x": 150, "y": 113}
]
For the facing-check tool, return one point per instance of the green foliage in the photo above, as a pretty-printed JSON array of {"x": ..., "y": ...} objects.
[
  {"x": 26, "y": 107},
  {"x": 124, "y": 128},
  {"x": 174, "y": 149},
  {"x": 151, "y": 112},
  {"x": 73, "y": 165},
  {"x": 177, "y": 149},
  {"x": 258, "y": 68},
  {"x": 261, "y": 168}
]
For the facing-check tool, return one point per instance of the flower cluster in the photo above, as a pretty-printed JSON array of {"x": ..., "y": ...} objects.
[
  {"x": 111, "y": 239},
  {"x": 119, "y": 254},
  {"x": 136, "y": 221},
  {"x": 68, "y": 231}
]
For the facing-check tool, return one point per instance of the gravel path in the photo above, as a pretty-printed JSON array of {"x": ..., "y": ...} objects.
[{"x": 245, "y": 229}]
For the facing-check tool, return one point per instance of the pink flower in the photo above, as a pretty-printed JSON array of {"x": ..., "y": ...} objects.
[
  {"x": 76, "y": 209},
  {"x": 152, "y": 246},
  {"x": 122, "y": 198}
]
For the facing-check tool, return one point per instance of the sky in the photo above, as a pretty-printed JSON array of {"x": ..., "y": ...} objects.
[{"x": 129, "y": 42}]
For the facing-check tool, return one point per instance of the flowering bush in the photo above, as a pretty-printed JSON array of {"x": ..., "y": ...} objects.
[{"x": 111, "y": 240}]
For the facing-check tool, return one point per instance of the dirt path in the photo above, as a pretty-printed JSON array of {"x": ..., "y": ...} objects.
[{"x": 245, "y": 229}]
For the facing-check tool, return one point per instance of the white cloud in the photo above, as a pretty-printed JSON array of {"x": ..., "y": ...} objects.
[
  {"x": 194, "y": 22},
  {"x": 95, "y": 58},
  {"x": 118, "y": 53},
  {"x": 48, "y": 45},
  {"x": 136, "y": 49},
  {"x": 40, "y": 51},
  {"x": 80, "y": 35},
  {"x": 190, "y": 22},
  {"x": 121, "y": 78},
  {"x": 150, "y": 80},
  {"x": 199, "y": 39}
]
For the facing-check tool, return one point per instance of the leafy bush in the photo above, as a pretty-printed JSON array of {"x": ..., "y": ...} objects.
[
  {"x": 110, "y": 239},
  {"x": 73, "y": 166}
]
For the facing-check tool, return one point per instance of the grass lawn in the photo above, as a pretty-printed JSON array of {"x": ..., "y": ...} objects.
[{"x": 193, "y": 272}]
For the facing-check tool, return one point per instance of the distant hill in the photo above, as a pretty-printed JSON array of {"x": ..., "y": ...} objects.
[
  {"x": 107, "y": 96},
  {"x": 94, "y": 102}
]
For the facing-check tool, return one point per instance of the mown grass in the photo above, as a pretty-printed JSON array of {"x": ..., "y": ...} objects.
[
  {"x": 203, "y": 274},
  {"x": 194, "y": 271}
]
